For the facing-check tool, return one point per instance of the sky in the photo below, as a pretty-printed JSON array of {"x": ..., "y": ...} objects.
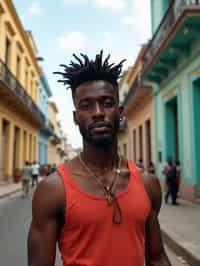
[{"x": 63, "y": 27}]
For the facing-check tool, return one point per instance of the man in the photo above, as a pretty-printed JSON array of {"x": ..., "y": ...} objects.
[
  {"x": 170, "y": 179},
  {"x": 35, "y": 173},
  {"x": 96, "y": 206}
]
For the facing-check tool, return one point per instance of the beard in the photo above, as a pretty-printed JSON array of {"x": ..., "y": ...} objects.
[{"x": 101, "y": 140}]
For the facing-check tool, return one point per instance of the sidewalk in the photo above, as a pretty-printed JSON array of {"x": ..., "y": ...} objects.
[
  {"x": 180, "y": 226},
  {"x": 9, "y": 189}
]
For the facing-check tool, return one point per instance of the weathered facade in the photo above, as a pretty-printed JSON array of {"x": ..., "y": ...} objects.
[
  {"x": 20, "y": 117},
  {"x": 136, "y": 140},
  {"x": 46, "y": 131},
  {"x": 172, "y": 64}
]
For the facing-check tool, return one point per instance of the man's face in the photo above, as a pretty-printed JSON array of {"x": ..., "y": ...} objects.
[{"x": 97, "y": 112}]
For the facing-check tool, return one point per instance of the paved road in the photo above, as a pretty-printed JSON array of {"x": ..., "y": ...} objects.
[{"x": 15, "y": 215}]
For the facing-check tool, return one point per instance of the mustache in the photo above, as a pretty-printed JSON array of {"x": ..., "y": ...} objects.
[{"x": 99, "y": 124}]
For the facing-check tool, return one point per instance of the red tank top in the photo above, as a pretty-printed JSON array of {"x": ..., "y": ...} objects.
[{"x": 90, "y": 238}]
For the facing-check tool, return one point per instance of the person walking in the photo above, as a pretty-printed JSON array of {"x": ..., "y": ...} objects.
[
  {"x": 26, "y": 178},
  {"x": 178, "y": 177},
  {"x": 170, "y": 179},
  {"x": 35, "y": 173},
  {"x": 96, "y": 206}
]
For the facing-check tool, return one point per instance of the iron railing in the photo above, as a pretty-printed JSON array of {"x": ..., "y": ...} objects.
[
  {"x": 171, "y": 16},
  {"x": 137, "y": 83},
  {"x": 9, "y": 80},
  {"x": 48, "y": 129}
]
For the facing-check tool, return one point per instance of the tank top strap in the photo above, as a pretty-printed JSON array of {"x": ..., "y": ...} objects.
[
  {"x": 134, "y": 171},
  {"x": 64, "y": 174}
]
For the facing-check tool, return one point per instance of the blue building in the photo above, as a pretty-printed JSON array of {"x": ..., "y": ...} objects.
[{"x": 46, "y": 132}]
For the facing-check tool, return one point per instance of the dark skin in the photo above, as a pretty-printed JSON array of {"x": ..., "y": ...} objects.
[{"x": 94, "y": 101}]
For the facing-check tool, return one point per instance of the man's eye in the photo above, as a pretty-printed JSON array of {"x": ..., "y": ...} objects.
[
  {"x": 84, "y": 105},
  {"x": 108, "y": 102}
]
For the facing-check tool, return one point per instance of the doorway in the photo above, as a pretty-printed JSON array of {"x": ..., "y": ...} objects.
[
  {"x": 196, "y": 102},
  {"x": 148, "y": 142},
  {"x": 4, "y": 138},
  {"x": 172, "y": 130}
]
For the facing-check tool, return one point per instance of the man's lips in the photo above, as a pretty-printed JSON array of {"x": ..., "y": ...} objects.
[{"x": 100, "y": 127}]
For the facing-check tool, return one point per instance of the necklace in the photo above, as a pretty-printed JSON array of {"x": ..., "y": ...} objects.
[{"x": 107, "y": 190}]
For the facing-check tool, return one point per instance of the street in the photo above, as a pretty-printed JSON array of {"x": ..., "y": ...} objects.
[{"x": 15, "y": 216}]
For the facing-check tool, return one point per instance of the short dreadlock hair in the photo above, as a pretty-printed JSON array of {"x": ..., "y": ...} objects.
[{"x": 88, "y": 70}]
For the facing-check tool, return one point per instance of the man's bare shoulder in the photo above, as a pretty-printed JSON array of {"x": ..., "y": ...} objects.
[
  {"x": 49, "y": 193},
  {"x": 153, "y": 189}
]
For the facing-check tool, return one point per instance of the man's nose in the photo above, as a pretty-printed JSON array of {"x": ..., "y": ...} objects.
[{"x": 98, "y": 110}]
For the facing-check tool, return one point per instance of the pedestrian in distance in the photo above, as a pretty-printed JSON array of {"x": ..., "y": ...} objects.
[
  {"x": 140, "y": 165},
  {"x": 96, "y": 206},
  {"x": 151, "y": 169},
  {"x": 170, "y": 180},
  {"x": 178, "y": 177},
  {"x": 26, "y": 178},
  {"x": 35, "y": 173}
]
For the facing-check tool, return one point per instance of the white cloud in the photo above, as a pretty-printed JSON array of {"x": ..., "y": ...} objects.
[
  {"x": 139, "y": 18},
  {"x": 128, "y": 20},
  {"x": 35, "y": 8},
  {"x": 76, "y": 2},
  {"x": 72, "y": 40},
  {"x": 113, "y": 5}
]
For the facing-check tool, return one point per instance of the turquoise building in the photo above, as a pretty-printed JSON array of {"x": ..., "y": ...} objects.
[
  {"x": 172, "y": 64},
  {"x": 46, "y": 132}
]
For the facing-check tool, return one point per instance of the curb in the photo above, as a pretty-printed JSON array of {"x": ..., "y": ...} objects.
[
  {"x": 180, "y": 250},
  {"x": 10, "y": 193}
]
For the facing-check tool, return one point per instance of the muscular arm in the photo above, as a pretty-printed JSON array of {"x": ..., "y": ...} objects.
[
  {"x": 155, "y": 253},
  {"x": 45, "y": 225}
]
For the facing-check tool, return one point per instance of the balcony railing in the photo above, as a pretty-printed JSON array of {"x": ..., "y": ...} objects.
[
  {"x": 138, "y": 83},
  {"x": 172, "y": 15},
  {"x": 48, "y": 129},
  {"x": 15, "y": 87}
]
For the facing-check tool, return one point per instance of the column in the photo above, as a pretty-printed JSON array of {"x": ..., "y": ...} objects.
[
  {"x": 21, "y": 149},
  {"x": 35, "y": 148},
  {"x": 30, "y": 149},
  {"x": 1, "y": 151},
  {"x": 10, "y": 146},
  {"x": 2, "y": 37},
  {"x": 27, "y": 147}
]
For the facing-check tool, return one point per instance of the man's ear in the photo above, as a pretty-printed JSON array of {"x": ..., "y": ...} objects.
[{"x": 75, "y": 117}]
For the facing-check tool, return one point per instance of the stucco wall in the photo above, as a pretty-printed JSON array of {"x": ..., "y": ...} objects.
[{"x": 179, "y": 84}]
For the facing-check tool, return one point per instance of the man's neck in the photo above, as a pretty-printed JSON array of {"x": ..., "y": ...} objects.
[{"x": 103, "y": 157}]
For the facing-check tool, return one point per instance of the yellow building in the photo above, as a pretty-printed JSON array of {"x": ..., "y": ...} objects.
[
  {"x": 20, "y": 117},
  {"x": 55, "y": 139},
  {"x": 136, "y": 137}
]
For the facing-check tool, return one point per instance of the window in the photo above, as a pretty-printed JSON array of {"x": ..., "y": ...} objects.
[
  {"x": 141, "y": 142},
  {"x": 18, "y": 68},
  {"x": 148, "y": 141},
  {"x": 134, "y": 146},
  {"x": 7, "y": 52}
]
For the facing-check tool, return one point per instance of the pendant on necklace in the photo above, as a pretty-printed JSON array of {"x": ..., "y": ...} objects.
[
  {"x": 108, "y": 195},
  {"x": 117, "y": 171},
  {"x": 110, "y": 199}
]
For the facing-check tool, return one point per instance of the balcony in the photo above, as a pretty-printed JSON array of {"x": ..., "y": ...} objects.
[
  {"x": 48, "y": 129},
  {"x": 17, "y": 98},
  {"x": 55, "y": 139},
  {"x": 178, "y": 29},
  {"x": 137, "y": 92}
]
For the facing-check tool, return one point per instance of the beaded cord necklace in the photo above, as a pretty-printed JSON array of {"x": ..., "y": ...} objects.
[{"x": 108, "y": 190}]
